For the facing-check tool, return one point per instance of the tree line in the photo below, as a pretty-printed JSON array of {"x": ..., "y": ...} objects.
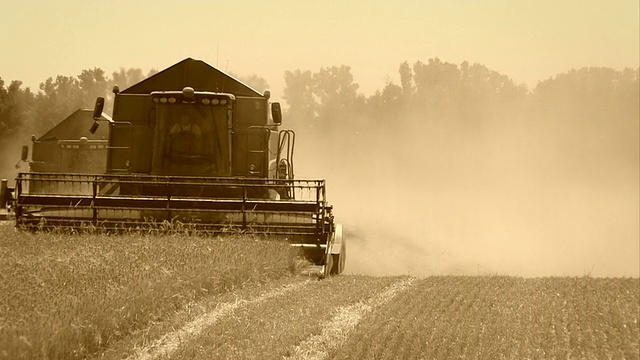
[
  {"x": 583, "y": 123},
  {"x": 23, "y": 111},
  {"x": 592, "y": 100},
  {"x": 469, "y": 93}
]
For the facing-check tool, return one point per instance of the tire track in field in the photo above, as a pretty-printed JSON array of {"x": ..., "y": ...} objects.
[
  {"x": 335, "y": 331},
  {"x": 170, "y": 342}
]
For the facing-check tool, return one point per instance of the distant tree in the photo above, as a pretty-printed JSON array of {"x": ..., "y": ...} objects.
[
  {"x": 325, "y": 99},
  {"x": 485, "y": 94},
  {"x": 406, "y": 80},
  {"x": 55, "y": 101},
  {"x": 299, "y": 94},
  {"x": 124, "y": 78},
  {"x": 58, "y": 98},
  {"x": 593, "y": 113},
  {"x": 437, "y": 85},
  {"x": 93, "y": 83},
  {"x": 256, "y": 82},
  {"x": 615, "y": 92},
  {"x": 386, "y": 106},
  {"x": 14, "y": 109},
  {"x": 26, "y": 112},
  {"x": 336, "y": 93},
  {"x": 469, "y": 94}
]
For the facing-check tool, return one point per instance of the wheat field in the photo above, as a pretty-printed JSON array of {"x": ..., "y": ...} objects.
[
  {"x": 150, "y": 296},
  {"x": 71, "y": 295},
  {"x": 440, "y": 317}
]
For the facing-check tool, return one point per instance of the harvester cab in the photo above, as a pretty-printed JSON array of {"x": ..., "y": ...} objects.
[{"x": 192, "y": 145}]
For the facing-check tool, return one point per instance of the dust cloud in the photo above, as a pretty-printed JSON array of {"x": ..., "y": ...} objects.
[
  {"x": 441, "y": 198},
  {"x": 11, "y": 150}
]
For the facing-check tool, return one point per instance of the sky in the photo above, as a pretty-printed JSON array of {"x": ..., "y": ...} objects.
[{"x": 526, "y": 40}]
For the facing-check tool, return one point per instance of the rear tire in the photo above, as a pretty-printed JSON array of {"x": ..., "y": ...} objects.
[
  {"x": 339, "y": 260},
  {"x": 335, "y": 269}
]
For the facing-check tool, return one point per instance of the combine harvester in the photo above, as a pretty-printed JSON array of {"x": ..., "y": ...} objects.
[{"x": 188, "y": 145}]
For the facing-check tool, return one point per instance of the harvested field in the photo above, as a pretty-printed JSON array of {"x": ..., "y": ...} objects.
[
  {"x": 144, "y": 297},
  {"x": 481, "y": 317},
  {"x": 279, "y": 327},
  {"x": 503, "y": 318}
]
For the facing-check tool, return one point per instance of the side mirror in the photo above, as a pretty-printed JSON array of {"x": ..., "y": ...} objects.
[
  {"x": 97, "y": 110},
  {"x": 4, "y": 191},
  {"x": 276, "y": 113},
  {"x": 5, "y": 194},
  {"x": 25, "y": 153},
  {"x": 94, "y": 127}
]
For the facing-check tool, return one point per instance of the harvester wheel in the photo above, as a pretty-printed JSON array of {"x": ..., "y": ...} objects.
[{"x": 338, "y": 251}]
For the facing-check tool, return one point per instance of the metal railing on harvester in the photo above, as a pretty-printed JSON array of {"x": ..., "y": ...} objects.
[{"x": 275, "y": 206}]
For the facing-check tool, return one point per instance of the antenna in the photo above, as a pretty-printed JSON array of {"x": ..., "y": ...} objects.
[
  {"x": 217, "y": 52},
  {"x": 226, "y": 75}
]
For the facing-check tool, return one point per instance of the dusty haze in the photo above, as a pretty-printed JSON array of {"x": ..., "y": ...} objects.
[
  {"x": 443, "y": 199},
  {"x": 429, "y": 199},
  {"x": 527, "y": 196}
]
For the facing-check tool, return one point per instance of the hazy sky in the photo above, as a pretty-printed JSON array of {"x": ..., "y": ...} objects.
[{"x": 527, "y": 40}]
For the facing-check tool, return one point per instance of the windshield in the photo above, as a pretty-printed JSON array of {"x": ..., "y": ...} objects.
[{"x": 191, "y": 140}]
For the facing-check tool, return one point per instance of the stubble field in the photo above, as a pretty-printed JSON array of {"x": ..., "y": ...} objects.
[{"x": 179, "y": 297}]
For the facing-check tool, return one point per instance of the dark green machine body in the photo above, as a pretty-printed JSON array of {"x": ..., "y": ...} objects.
[{"x": 223, "y": 128}]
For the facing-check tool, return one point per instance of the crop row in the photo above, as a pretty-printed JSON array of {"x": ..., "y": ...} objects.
[
  {"x": 503, "y": 318},
  {"x": 482, "y": 317}
]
